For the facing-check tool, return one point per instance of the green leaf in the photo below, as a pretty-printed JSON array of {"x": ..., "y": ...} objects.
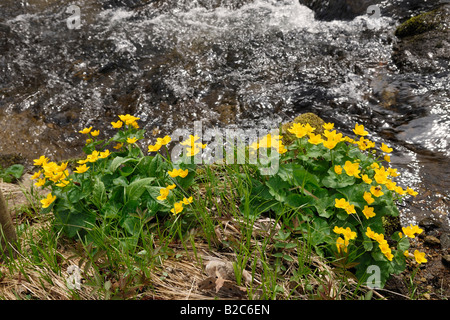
[
  {"x": 118, "y": 161},
  {"x": 135, "y": 189},
  {"x": 16, "y": 170},
  {"x": 98, "y": 193},
  {"x": 334, "y": 181}
]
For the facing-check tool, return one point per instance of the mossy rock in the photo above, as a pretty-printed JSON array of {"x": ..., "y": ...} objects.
[
  {"x": 7, "y": 160},
  {"x": 428, "y": 21},
  {"x": 313, "y": 120},
  {"x": 391, "y": 224}
]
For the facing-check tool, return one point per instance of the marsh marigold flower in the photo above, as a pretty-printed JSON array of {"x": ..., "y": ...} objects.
[
  {"x": 368, "y": 197},
  {"x": 81, "y": 169},
  {"x": 368, "y": 212},
  {"x": 385, "y": 148},
  {"x": 117, "y": 125},
  {"x": 359, "y": 130},
  {"x": 41, "y": 161},
  {"x": 86, "y": 130},
  {"x": 95, "y": 133},
  {"x": 48, "y": 201},
  {"x": 410, "y": 231},
  {"x": 177, "y": 208},
  {"x": 338, "y": 169},
  {"x": 131, "y": 140},
  {"x": 164, "y": 192},
  {"x": 315, "y": 138},
  {"x": 352, "y": 169},
  {"x": 420, "y": 257},
  {"x": 376, "y": 191},
  {"x": 328, "y": 126}
]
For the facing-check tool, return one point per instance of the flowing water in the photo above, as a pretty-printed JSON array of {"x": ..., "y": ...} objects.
[{"x": 235, "y": 64}]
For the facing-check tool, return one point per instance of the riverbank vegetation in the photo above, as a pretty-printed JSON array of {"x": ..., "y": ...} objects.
[{"x": 132, "y": 223}]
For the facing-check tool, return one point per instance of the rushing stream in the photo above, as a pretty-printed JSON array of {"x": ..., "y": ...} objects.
[{"x": 240, "y": 64}]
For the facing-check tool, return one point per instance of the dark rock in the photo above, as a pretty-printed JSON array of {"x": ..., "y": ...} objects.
[
  {"x": 424, "y": 44},
  {"x": 445, "y": 240},
  {"x": 446, "y": 260},
  {"x": 429, "y": 224},
  {"x": 329, "y": 10},
  {"x": 337, "y": 9}
]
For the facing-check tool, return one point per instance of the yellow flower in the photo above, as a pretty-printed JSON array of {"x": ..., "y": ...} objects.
[
  {"x": 48, "y": 201},
  {"x": 387, "y": 158},
  {"x": 411, "y": 231},
  {"x": 187, "y": 201},
  {"x": 40, "y": 182},
  {"x": 163, "y": 141},
  {"x": 298, "y": 130},
  {"x": 190, "y": 141},
  {"x": 381, "y": 175},
  {"x": 36, "y": 175},
  {"x": 392, "y": 172},
  {"x": 330, "y": 144},
  {"x": 390, "y": 185},
  {"x": 95, "y": 133},
  {"x": 117, "y": 125},
  {"x": 41, "y": 161},
  {"x": 368, "y": 197},
  {"x": 81, "y": 169},
  {"x": 385, "y": 148},
  {"x": 347, "y": 232},
  {"x": 172, "y": 186},
  {"x": 341, "y": 244},
  {"x": 352, "y": 169},
  {"x": 89, "y": 141},
  {"x": 154, "y": 148},
  {"x": 406, "y": 253},
  {"x": 315, "y": 138},
  {"x": 376, "y": 191},
  {"x": 178, "y": 172},
  {"x": 63, "y": 183},
  {"x": 341, "y": 203},
  {"x": 328, "y": 126},
  {"x": 420, "y": 257},
  {"x": 368, "y": 212},
  {"x": 118, "y": 146},
  {"x": 350, "y": 209},
  {"x": 164, "y": 192},
  {"x": 400, "y": 190},
  {"x": 93, "y": 156},
  {"x": 366, "y": 179},
  {"x": 128, "y": 119},
  {"x": 131, "y": 140},
  {"x": 359, "y": 130},
  {"x": 338, "y": 169},
  {"x": 374, "y": 165},
  {"x": 177, "y": 208},
  {"x": 411, "y": 192},
  {"x": 86, "y": 130},
  {"x": 371, "y": 234},
  {"x": 104, "y": 154}
]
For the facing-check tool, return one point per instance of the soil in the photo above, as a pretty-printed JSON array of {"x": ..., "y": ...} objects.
[{"x": 427, "y": 281}]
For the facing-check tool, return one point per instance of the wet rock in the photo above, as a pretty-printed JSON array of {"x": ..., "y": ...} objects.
[
  {"x": 329, "y": 10},
  {"x": 424, "y": 44},
  {"x": 337, "y": 9}
]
